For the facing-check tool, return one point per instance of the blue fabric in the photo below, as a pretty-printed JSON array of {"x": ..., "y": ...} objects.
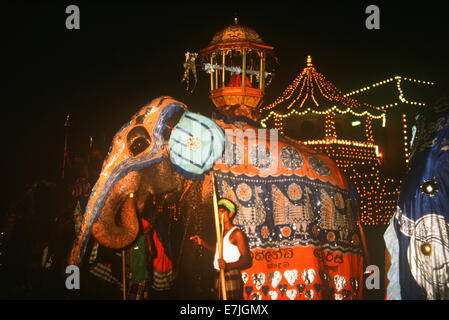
[
  {"x": 273, "y": 216},
  {"x": 195, "y": 144},
  {"x": 422, "y": 217}
]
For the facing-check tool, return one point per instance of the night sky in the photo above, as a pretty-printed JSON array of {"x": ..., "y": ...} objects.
[{"x": 125, "y": 55}]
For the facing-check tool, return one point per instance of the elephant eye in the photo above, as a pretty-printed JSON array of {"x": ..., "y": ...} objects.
[
  {"x": 171, "y": 122},
  {"x": 138, "y": 140}
]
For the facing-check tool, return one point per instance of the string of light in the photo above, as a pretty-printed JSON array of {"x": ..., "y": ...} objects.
[
  {"x": 406, "y": 150},
  {"x": 311, "y": 79},
  {"x": 333, "y": 109},
  {"x": 401, "y": 97},
  {"x": 359, "y": 160}
]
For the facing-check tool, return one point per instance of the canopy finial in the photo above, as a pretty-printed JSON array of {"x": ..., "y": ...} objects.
[{"x": 309, "y": 61}]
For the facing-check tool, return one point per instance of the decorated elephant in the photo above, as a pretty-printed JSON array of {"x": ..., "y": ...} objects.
[
  {"x": 417, "y": 239},
  {"x": 293, "y": 203}
]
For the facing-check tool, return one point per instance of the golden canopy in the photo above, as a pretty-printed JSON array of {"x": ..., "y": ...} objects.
[{"x": 236, "y": 62}]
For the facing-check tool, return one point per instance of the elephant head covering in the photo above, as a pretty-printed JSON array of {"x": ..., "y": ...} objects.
[
  {"x": 138, "y": 144},
  {"x": 417, "y": 237},
  {"x": 163, "y": 125}
]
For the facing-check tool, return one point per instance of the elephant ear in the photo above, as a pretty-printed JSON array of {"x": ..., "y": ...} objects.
[{"x": 196, "y": 142}]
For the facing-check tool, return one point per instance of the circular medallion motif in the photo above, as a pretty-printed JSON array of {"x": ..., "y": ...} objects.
[
  {"x": 286, "y": 231},
  {"x": 429, "y": 188},
  {"x": 330, "y": 236},
  {"x": 319, "y": 166},
  {"x": 338, "y": 200},
  {"x": 291, "y": 158},
  {"x": 265, "y": 232},
  {"x": 294, "y": 192},
  {"x": 193, "y": 143},
  {"x": 244, "y": 192},
  {"x": 260, "y": 157}
]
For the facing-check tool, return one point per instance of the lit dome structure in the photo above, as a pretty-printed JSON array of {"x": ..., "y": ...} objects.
[
  {"x": 314, "y": 111},
  {"x": 234, "y": 34},
  {"x": 237, "y": 61}
]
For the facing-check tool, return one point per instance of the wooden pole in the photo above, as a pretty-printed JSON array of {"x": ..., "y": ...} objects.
[
  {"x": 261, "y": 71},
  {"x": 219, "y": 239},
  {"x": 124, "y": 274},
  {"x": 223, "y": 70},
  {"x": 211, "y": 74},
  {"x": 244, "y": 68},
  {"x": 216, "y": 74}
]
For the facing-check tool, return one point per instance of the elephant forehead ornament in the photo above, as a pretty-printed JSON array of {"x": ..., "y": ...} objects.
[{"x": 195, "y": 143}]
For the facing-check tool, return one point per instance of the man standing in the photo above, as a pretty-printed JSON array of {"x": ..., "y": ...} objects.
[{"x": 236, "y": 254}]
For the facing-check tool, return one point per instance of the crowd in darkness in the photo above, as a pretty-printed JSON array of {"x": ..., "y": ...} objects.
[{"x": 37, "y": 233}]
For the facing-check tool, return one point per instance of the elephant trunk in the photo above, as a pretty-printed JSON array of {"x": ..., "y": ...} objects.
[{"x": 117, "y": 228}]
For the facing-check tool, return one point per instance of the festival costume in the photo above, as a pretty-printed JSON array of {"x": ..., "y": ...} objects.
[
  {"x": 233, "y": 277},
  {"x": 417, "y": 237}
]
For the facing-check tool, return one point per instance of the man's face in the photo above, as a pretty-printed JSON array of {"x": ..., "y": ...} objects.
[
  {"x": 225, "y": 214},
  {"x": 222, "y": 212}
]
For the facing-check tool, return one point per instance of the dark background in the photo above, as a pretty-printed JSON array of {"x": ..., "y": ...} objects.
[{"x": 128, "y": 53}]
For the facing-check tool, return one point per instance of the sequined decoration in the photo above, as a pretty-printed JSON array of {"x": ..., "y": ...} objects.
[
  {"x": 244, "y": 192},
  {"x": 258, "y": 280},
  {"x": 282, "y": 288},
  {"x": 256, "y": 296},
  {"x": 308, "y": 276},
  {"x": 260, "y": 157},
  {"x": 346, "y": 294},
  {"x": 291, "y": 294},
  {"x": 294, "y": 192},
  {"x": 193, "y": 143},
  {"x": 309, "y": 294},
  {"x": 319, "y": 166},
  {"x": 233, "y": 154},
  {"x": 274, "y": 277},
  {"x": 429, "y": 188},
  {"x": 339, "y": 282},
  {"x": 286, "y": 232},
  {"x": 291, "y": 276},
  {"x": 354, "y": 284},
  {"x": 265, "y": 232},
  {"x": 265, "y": 289},
  {"x": 325, "y": 278},
  {"x": 338, "y": 200},
  {"x": 301, "y": 287},
  {"x": 244, "y": 277},
  {"x": 273, "y": 294},
  {"x": 291, "y": 158}
]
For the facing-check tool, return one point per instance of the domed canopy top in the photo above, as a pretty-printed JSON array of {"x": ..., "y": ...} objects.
[{"x": 237, "y": 35}]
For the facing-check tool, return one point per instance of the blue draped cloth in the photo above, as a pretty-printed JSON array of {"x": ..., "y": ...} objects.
[{"x": 417, "y": 238}]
